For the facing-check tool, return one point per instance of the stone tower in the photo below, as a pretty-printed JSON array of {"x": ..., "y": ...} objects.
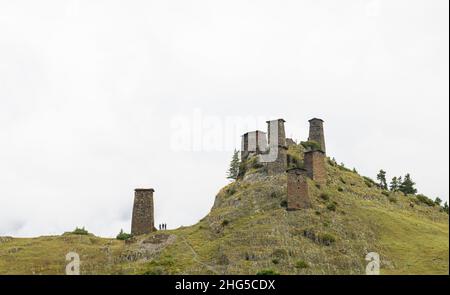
[
  {"x": 277, "y": 147},
  {"x": 297, "y": 189},
  {"x": 315, "y": 166},
  {"x": 143, "y": 214},
  {"x": 316, "y": 132},
  {"x": 253, "y": 143}
]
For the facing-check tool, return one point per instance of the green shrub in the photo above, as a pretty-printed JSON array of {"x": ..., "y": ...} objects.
[
  {"x": 340, "y": 189},
  {"x": 279, "y": 253},
  {"x": 326, "y": 239},
  {"x": 301, "y": 264},
  {"x": 267, "y": 272},
  {"x": 425, "y": 200},
  {"x": 311, "y": 145},
  {"x": 273, "y": 195},
  {"x": 324, "y": 196},
  {"x": 331, "y": 206},
  {"x": 284, "y": 204},
  {"x": 392, "y": 199},
  {"x": 332, "y": 162},
  {"x": 231, "y": 190},
  {"x": 385, "y": 193},
  {"x": 275, "y": 261},
  {"x": 225, "y": 222},
  {"x": 80, "y": 231},
  {"x": 123, "y": 236},
  {"x": 342, "y": 180}
]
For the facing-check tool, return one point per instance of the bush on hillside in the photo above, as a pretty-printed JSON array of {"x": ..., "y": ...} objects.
[
  {"x": 331, "y": 207},
  {"x": 301, "y": 264},
  {"x": 80, "y": 231},
  {"x": 324, "y": 196},
  {"x": 123, "y": 236},
  {"x": 311, "y": 145},
  {"x": 326, "y": 239},
  {"x": 425, "y": 200}
]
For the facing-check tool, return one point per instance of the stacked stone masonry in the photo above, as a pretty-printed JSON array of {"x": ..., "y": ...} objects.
[
  {"x": 316, "y": 132},
  {"x": 143, "y": 212},
  {"x": 277, "y": 143},
  {"x": 253, "y": 143},
  {"x": 297, "y": 189},
  {"x": 315, "y": 166}
]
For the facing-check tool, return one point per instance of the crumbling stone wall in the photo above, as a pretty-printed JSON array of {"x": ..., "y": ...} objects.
[
  {"x": 315, "y": 166},
  {"x": 297, "y": 189},
  {"x": 143, "y": 212},
  {"x": 316, "y": 132},
  {"x": 253, "y": 143}
]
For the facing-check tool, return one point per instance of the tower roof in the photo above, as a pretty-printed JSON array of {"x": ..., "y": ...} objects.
[
  {"x": 144, "y": 190},
  {"x": 256, "y": 131},
  {"x": 276, "y": 120},
  {"x": 315, "y": 119}
]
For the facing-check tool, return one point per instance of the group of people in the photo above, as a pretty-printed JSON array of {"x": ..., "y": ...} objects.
[{"x": 163, "y": 226}]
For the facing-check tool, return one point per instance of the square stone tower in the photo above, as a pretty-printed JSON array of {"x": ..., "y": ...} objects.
[
  {"x": 143, "y": 221},
  {"x": 297, "y": 189},
  {"x": 253, "y": 143},
  {"x": 315, "y": 166},
  {"x": 316, "y": 132},
  {"x": 277, "y": 144}
]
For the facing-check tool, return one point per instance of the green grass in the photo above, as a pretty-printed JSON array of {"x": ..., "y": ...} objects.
[{"x": 248, "y": 232}]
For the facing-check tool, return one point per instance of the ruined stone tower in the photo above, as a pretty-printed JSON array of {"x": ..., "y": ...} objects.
[
  {"x": 277, "y": 147},
  {"x": 315, "y": 166},
  {"x": 143, "y": 214},
  {"x": 253, "y": 143},
  {"x": 316, "y": 132},
  {"x": 297, "y": 189}
]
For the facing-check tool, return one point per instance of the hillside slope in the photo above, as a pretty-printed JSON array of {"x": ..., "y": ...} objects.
[{"x": 248, "y": 230}]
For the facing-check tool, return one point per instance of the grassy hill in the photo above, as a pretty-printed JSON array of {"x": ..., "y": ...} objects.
[{"x": 248, "y": 231}]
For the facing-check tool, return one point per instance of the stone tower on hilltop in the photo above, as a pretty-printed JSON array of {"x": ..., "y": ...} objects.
[
  {"x": 253, "y": 143},
  {"x": 143, "y": 213},
  {"x": 316, "y": 132},
  {"x": 315, "y": 166},
  {"x": 277, "y": 144},
  {"x": 297, "y": 189}
]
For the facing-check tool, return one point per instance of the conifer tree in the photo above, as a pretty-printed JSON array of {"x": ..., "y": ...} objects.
[
  {"x": 438, "y": 201},
  {"x": 407, "y": 186},
  {"x": 445, "y": 207},
  {"x": 233, "y": 171},
  {"x": 393, "y": 186},
  {"x": 381, "y": 176}
]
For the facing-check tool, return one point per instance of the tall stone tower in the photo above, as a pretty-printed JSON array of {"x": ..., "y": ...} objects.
[
  {"x": 277, "y": 144},
  {"x": 315, "y": 166},
  {"x": 253, "y": 143},
  {"x": 143, "y": 214},
  {"x": 297, "y": 189},
  {"x": 316, "y": 132}
]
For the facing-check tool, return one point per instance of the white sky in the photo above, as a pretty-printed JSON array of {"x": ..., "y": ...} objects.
[{"x": 92, "y": 94}]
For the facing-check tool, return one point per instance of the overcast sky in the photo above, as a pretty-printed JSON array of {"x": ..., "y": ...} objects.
[{"x": 100, "y": 97}]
